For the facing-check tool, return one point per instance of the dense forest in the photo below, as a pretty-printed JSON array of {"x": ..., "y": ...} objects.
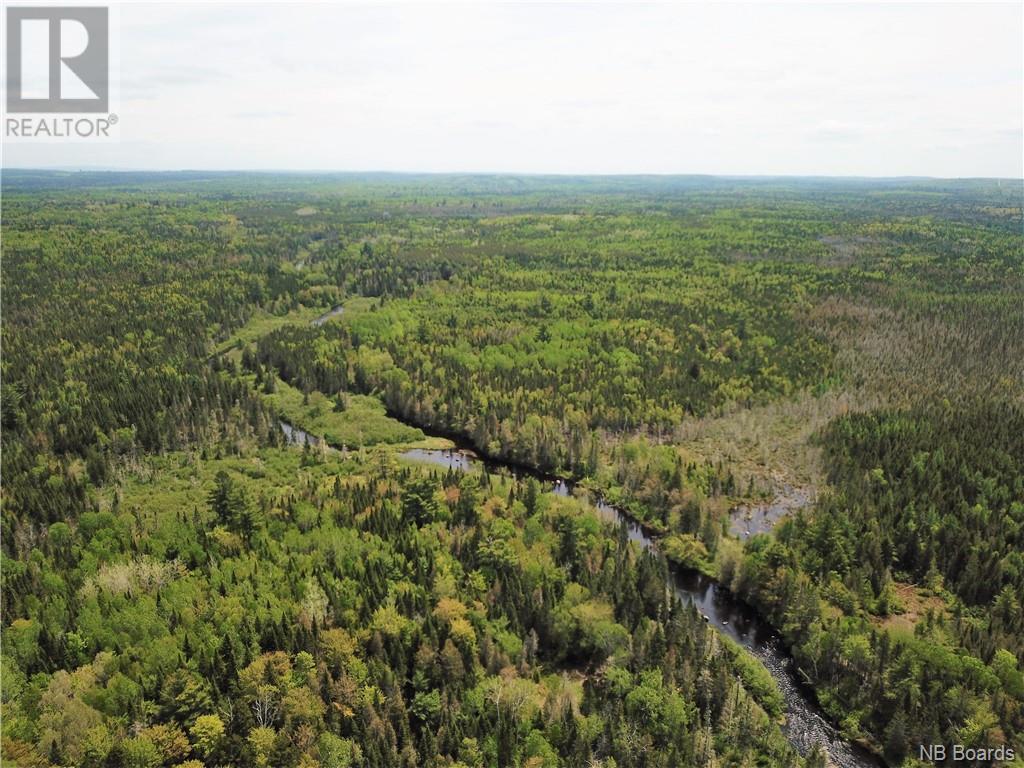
[{"x": 183, "y": 587}]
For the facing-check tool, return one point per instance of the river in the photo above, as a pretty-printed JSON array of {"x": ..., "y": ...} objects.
[
  {"x": 805, "y": 726},
  {"x": 328, "y": 315}
]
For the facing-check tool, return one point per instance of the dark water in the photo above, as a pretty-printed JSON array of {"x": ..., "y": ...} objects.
[
  {"x": 300, "y": 437},
  {"x": 805, "y": 725},
  {"x": 328, "y": 315},
  {"x": 296, "y": 436},
  {"x": 457, "y": 459},
  {"x": 747, "y": 521}
]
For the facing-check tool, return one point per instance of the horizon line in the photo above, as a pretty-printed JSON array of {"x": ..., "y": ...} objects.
[{"x": 536, "y": 174}]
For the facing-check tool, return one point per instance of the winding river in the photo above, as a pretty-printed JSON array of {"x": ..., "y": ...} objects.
[{"x": 805, "y": 726}]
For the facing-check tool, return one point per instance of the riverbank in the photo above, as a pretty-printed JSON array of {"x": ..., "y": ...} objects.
[{"x": 806, "y": 725}]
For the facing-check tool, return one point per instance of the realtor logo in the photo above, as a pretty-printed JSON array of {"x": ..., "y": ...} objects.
[{"x": 58, "y": 60}]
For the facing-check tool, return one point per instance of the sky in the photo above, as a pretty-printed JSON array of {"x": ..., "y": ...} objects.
[{"x": 863, "y": 89}]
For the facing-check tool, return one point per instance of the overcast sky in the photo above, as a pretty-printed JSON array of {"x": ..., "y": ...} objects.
[{"x": 861, "y": 89}]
